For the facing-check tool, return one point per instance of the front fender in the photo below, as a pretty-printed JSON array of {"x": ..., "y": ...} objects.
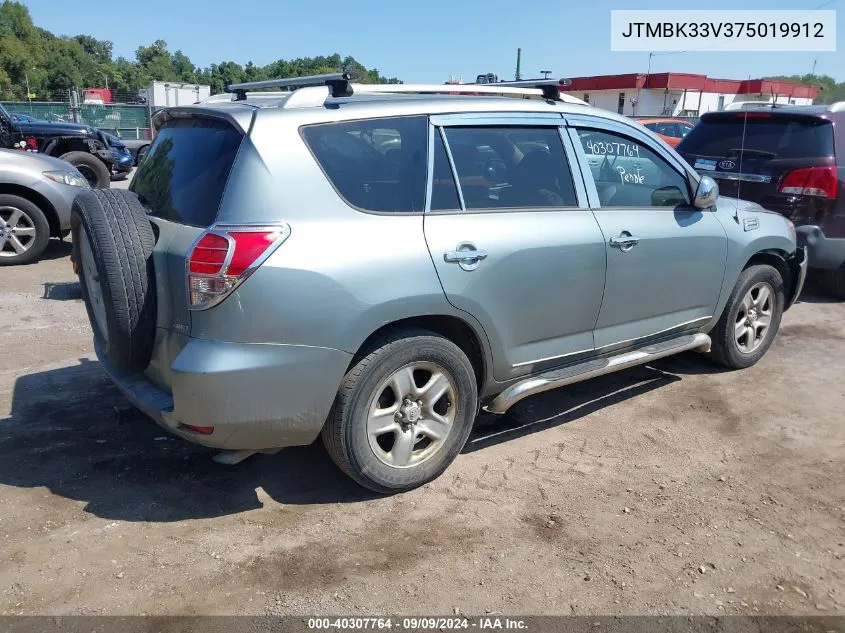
[{"x": 750, "y": 234}]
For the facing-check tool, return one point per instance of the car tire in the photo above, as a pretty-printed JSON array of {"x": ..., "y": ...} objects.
[
  {"x": 750, "y": 320},
  {"x": 834, "y": 282},
  {"x": 22, "y": 225},
  {"x": 94, "y": 170},
  {"x": 113, "y": 244},
  {"x": 121, "y": 175},
  {"x": 390, "y": 454}
]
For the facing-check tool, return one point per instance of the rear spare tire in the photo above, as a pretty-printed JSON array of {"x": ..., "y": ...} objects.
[
  {"x": 94, "y": 170},
  {"x": 113, "y": 244}
]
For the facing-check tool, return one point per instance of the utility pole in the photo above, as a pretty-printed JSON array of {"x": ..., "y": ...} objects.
[
  {"x": 813, "y": 72},
  {"x": 518, "y": 74},
  {"x": 28, "y": 91}
]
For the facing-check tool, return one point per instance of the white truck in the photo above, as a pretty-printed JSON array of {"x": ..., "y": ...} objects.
[{"x": 163, "y": 94}]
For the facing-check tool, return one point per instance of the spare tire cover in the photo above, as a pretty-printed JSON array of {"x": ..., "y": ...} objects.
[{"x": 113, "y": 244}]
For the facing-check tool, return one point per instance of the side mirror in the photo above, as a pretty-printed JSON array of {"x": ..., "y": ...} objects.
[{"x": 706, "y": 194}]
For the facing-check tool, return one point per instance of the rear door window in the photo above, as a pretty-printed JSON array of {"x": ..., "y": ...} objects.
[
  {"x": 184, "y": 174},
  {"x": 766, "y": 137},
  {"x": 511, "y": 167},
  {"x": 374, "y": 164}
]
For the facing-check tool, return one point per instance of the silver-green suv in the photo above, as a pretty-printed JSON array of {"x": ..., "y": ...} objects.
[{"x": 375, "y": 263}]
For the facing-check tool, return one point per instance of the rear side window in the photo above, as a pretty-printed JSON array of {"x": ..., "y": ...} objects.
[
  {"x": 184, "y": 174},
  {"x": 374, "y": 164},
  {"x": 767, "y": 138}
]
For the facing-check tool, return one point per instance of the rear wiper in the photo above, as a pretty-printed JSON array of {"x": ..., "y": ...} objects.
[{"x": 735, "y": 151}]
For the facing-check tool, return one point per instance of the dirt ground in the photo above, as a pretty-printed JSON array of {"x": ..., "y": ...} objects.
[{"x": 673, "y": 488}]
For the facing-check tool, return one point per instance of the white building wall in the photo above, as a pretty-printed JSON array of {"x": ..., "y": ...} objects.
[
  {"x": 649, "y": 102},
  {"x": 674, "y": 102}
]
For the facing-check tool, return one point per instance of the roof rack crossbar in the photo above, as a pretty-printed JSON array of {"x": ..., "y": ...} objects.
[
  {"x": 550, "y": 88},
  {"x": 337, "y": 82}
]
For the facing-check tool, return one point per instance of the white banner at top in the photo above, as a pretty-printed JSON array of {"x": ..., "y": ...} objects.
[{"x": 708, "y": 30}]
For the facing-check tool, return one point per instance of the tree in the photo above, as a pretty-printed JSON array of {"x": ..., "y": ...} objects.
[
  {"x": 831, "y": 91},
  {"x": 51, "y": 65}
]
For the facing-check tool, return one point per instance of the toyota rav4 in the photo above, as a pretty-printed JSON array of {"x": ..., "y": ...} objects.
[{"x": 374, "y": 267}]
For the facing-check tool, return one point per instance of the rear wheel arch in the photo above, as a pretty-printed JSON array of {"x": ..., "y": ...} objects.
[
  {"x": 452, "y": 328},
  {"x": 39, "y": 201}
]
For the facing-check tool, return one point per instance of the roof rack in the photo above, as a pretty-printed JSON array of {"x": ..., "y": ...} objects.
[
  {"x": 337, "y": 82},
  {"x": 315, "y": 89}
]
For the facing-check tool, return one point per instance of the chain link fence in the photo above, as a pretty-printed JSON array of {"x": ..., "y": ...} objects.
[{"x": 119, "y": 117}]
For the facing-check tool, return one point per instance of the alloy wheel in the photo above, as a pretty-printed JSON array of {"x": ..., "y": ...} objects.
[
  {"x": 411, "y": 414},
  {"x": 754, "y": 317},
  {"x": 17, "y": 232}
]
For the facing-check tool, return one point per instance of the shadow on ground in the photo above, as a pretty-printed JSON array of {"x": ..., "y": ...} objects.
[
  {"x": 62, "y": 434},
  {"x": 56, "y": 249},
  {"x": 62, "y": 291}
]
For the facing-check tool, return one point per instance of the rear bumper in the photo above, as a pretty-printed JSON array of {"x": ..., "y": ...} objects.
[
  {"x": 255, "y": 396},
  {"x": 822, "y": 251}
]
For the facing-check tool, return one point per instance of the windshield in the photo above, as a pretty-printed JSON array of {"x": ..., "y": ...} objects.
[{"x": 4, "y": 113}]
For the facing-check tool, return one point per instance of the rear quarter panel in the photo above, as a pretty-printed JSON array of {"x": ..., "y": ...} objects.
[{"x": 342, "y": 274}]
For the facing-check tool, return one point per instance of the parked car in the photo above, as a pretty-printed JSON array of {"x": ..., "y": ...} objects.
[
  {"x": 137, "y": 147},
  {"x": 36, "y": 193},
  {"x": 82, "y": 146},
  {"x": 668, "y": 129},
  {"x": 274, "y": 279},
  {"x": 789, "y": 160},
  {"x": 122, "y": 159}
]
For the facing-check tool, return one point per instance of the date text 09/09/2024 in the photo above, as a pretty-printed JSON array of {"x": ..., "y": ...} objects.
[{"x": 487, "y": 623}]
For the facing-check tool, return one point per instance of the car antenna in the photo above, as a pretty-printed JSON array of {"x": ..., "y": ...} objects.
[{"x": 739, "y": 171}]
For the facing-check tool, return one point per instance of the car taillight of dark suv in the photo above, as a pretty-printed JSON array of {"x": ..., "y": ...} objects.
[{"x": 788, "y": 160}]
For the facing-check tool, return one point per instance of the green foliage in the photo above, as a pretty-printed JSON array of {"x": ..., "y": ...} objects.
[
  {"x": 51, "y": 65},
  {"x": 831, "y": 91}
]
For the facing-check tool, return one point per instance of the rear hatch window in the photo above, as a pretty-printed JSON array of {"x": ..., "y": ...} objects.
[
  {"x": 184, "y": 174},
  {"x": 769, "y": 138}
]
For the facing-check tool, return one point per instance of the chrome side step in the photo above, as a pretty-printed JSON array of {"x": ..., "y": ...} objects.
[{"x": 596, "y": 367}]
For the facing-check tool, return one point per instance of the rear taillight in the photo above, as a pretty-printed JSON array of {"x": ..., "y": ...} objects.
[
  {"x": 811, "y": 181},
  {"x": 225, "y": 256}
]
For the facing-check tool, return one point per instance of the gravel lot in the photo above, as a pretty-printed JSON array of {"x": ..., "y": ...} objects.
[{"x": 673, "y": 488}]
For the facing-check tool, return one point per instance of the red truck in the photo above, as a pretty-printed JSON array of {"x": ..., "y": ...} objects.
[{"x": 98, "y": 96}]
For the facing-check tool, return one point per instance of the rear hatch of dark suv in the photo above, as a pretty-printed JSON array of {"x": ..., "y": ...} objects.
[{"x": 782, "y": 159}]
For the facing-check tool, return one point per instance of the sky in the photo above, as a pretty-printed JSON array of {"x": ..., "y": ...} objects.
[{"x": 422, "y": 42}]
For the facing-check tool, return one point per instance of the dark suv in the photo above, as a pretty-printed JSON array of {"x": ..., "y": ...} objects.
[
  {"x": 83, "y": 146},
  {"x": 788, "y": 160}
]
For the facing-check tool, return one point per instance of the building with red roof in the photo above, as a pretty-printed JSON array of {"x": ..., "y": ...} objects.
[{"x": 684, "y": 94}]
